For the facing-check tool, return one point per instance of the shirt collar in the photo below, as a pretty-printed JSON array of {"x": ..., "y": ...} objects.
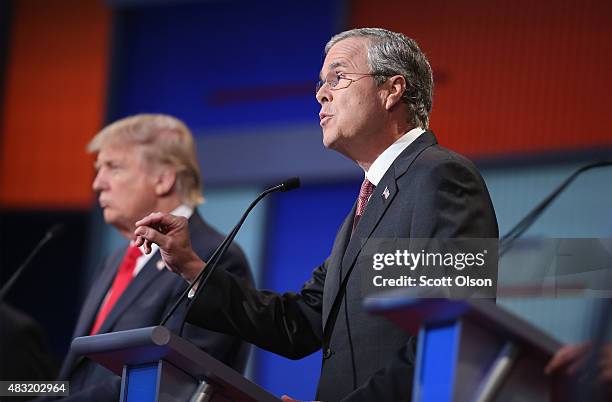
[
  {"x": 183, "y": 210},
  {"x": 383, "y": 162}
]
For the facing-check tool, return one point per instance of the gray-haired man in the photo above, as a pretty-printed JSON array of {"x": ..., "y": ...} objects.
[{"x": 375, "y": 95}]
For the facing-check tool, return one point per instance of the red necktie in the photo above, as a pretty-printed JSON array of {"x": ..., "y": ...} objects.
[
  {"x": 124, "y": 276},
  {"x": 365, "y": 192}
]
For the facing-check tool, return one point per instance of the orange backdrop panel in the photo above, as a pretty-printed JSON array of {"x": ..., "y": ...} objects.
[
  {"x": 511, "y": 76},
  {"x": 54, "y": 102}
]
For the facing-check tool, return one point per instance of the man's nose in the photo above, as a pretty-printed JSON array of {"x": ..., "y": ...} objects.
[
  {"x": 324, "y": 95},
  {"x": 98, "y": 182}
]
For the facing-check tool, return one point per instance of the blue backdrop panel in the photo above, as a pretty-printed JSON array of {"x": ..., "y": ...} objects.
[
  {"x": 220, "y": 63},
  {"x": 224, "y": 207},
  {"x": 302, "y": 228}
]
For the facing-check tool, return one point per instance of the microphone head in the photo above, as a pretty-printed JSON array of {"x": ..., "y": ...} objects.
[
  {"x": 290, "y": 184},
  {"x": 56, "y": 230}
]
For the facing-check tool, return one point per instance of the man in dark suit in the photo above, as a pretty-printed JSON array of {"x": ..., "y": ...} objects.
[
  {"x": 146, "y": 163},
  {"x": 375, "y": 95}
]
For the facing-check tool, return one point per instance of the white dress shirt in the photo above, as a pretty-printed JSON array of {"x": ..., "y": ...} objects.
[
  {"x": 383, "y": 162},
  {"x": 181, "y": 210}
]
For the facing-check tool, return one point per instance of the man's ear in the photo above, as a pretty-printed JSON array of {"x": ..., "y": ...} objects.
[
  {"x": 396, "y": 86},
  {"x": 166, "y": 178}
]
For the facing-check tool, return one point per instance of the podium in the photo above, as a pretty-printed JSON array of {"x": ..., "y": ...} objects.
[
  {"x": 158, "y": 366},
  {"x": 470, "y": 350}
]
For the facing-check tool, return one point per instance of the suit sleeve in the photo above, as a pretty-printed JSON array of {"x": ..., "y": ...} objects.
[
  {"x": 288, "y": 324},
  {"x": 453, "y": 203},
  {"x": 224, "y": 347}
]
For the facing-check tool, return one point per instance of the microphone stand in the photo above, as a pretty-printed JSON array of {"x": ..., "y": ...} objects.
[
  {"x": 508, "y": 240},
  {"x": 214, "y": 259},
  {"x": 55, "y": 230}
]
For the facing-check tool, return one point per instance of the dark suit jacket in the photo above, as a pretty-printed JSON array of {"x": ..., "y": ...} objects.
[
  {"x": 23, "y": 350},
  {"x": 144, "y": 303},
  {"x": 432, "y": 193}
]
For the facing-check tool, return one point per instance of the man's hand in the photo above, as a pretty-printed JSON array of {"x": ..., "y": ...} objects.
[
  {"x": 605, "y": 366},
  {"x": 171, "y": 234},
  {"x": 568, "y": 359},
  {"x": 572, "y": 358}
]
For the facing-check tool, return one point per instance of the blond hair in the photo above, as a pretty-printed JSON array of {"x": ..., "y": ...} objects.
[{"x": 164, "y": 140}]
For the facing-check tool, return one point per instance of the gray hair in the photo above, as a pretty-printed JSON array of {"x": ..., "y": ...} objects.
[
  {"x": 164, "y": 140},
  {"x": 393, "y": 53}
]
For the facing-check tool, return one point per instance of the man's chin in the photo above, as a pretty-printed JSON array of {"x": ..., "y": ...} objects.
[
  {"x": 329, "y": 140},
  {"x": 333, "y": 144},
  {"x": 120, "y": 224},
  {"x": 110, "y": 218}
]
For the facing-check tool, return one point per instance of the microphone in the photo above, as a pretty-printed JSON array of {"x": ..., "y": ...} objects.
[
  {"x": 287, "y": 185},
  {"x": 508, "y": 240},
  {"x": 55, "y": 231}
]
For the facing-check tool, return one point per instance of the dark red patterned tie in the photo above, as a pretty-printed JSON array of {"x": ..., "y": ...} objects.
[
  {"x": 365, "y": 192},
  {"x": 124, "y": 276}
]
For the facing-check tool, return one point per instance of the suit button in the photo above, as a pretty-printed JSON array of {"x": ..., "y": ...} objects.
[{"x": 327, "y": 353}]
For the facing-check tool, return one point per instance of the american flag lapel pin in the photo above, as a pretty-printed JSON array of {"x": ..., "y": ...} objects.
[{"x": 386, "y": 193}]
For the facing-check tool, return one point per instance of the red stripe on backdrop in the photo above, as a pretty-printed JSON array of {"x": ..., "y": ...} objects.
[
  {"x": 518, "y": 76},
  {"x": 54, "y": 102}
]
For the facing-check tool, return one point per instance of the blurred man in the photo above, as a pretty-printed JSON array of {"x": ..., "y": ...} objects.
[
  {"x": 146, "y": 163},
  {"x": 375, "y": 95}
]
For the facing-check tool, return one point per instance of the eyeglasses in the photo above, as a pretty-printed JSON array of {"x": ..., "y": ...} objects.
[{"x": 339, "y": 80}]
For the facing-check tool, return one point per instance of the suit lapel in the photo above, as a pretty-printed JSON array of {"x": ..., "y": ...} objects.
[
  {"x": 90, "y": 308},
  {"x": 375, "y": 210},
  {"x": 149, "y": 272},
  {"x": 147, "y": 275},
  {"x": 383, "y": 197},
  {"x": 379, "y": 202},
  {"x": 97, "y": 294}
]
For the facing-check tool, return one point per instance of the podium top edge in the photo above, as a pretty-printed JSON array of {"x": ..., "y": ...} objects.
[{"x": 149, "y": 336}]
